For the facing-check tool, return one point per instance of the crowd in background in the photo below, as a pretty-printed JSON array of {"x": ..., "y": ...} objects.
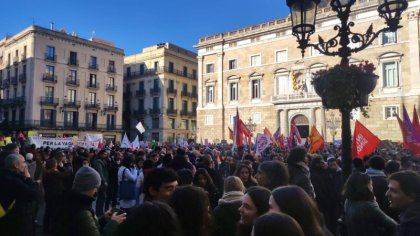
[{"x": 206, "y": 190}]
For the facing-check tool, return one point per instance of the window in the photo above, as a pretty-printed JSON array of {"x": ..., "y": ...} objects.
[
  {"x": 210, "y": 68},
  {"x": 47, "y": 117},
  {"x": 92, "y": 80},
  {"x": 71, "y": 95},
  {"x": 93, "y": 61},
  {"x": 184, "y": 124},
  {"x": 391, "y": 112},
  {"x": 23, "y": 90},
  {"x": 184, "y": 105},
  {"x": 111, "y": 82},
  {"x": 141, "y": 69},
  {"x": 50, "y": 70},
  {"x": 128, "y": 72},
  {"x": 110, "y": 121},
  {"x": 256, "y": 60},
  {"x": 50, "y": 53},
  {"x": 256, "y": 117},
  {"x": 194, "y": 107},
  {"x": 184, "y": 87},
  {"x": 194, "y": 74},
  {"x": 141, "y": 85},
  {"x": 73, "y": 75},
  {"x": 233, "y": 64},
  {"x": 194, "y": 90},
  {"x": 233, "y": 91},
  {"x": 155, "y": 123},
  {"x": 156, "y": 65},
  {"x": 283, "y": 84},
  {"x": 49, "y": 92},
  {"x": 389, "y": 37},
  {"x": 172, "y": 123},
  {"x": 210, "y": 94},
  {"x": 281, "y": 56},
  {"x": 390, "y": 74},
  {"x": 91, "y": 120},
  {"x": 156, "y": 83},
  {"x": 185, "y": 71},
  {"x": 73, "y": 58},
  {"x": 255, "y": 88},
  {"x": 70, "y": 118},
  {"x": 193, "y": 125},
  {"x": 171, "y": 67},
  {"x": 171, "y": 104},
  {"x": 155, "y": 103},
  {"x": 141, "y": 105},
  {"x": 24, "y": 51},
  {"x": 92, "y": 98},
  {"x": 171, "y": 84},
  {"x": 208, "y": 120},
  {"x": 111, "y": 100},
  {"x": 111, "y": 66}
]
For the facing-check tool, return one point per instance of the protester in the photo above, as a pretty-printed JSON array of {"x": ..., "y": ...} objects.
[
  {"x": 185, "y": 177},
  {"x": 295, "y": 202},
  {"x": 274, "y": 224},
  {"x": 191, "y": 205},
  {"x": 362, "y": 213},
  {"x": 75, "y": 216},
  {"x": 254, "y": 204},
  {"x": 297, "y": 163},
  {"x": 18, "y": 195},
  {"x": 272, "y": 174},
  {"x": 127, "y": 174},
  {"x": 99, "y": 164},
  {"x": 226, "y": 214},
  {"x": 203, "y": 180},
  {"x": 244, "y": 172},
  {"x": 159, "y": 184},
  {"x": 404, "y": 195}
]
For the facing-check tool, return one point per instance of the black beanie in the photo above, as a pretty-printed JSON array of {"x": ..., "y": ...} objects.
[
  {"x": 259, "y": 196},
  {"x": 377, "y": 163}
]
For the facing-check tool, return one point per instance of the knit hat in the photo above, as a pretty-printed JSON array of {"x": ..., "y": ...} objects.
[
  {"x": 29, "y": 156},
  {"x": 86, "y": 178},
  {"x": 259, "y": 196}
]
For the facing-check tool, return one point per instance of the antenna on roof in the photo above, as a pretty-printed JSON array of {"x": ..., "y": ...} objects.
[{"x": 93, "y": 34}]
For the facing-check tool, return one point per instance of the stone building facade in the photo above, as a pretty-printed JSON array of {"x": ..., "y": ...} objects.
[
  {"x": 56, "y": 84},
  {"x": 160, "y": 90},
  {"x": 260, "y": 71}
]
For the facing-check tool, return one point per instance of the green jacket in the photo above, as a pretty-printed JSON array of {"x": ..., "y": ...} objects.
[
  {"x": 76, "y": 217},
  {"x": 100, "y": 165}
]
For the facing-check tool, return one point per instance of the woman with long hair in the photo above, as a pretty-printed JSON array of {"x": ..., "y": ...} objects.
[
  {"x": 362, "y": 213},
  {"x": 127, "y": 172},
  {"x": 244, "y": 172},
  {"x": 295, "y": 202},
  {"x": 203, "y": 180},
  {"x": 191, "y": 204},
  {"x": 274, "y": 224}
]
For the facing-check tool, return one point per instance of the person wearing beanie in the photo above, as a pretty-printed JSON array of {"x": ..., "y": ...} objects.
[
  {"x": 254, "y": 204},
  {"x": 75, "y": 215}
]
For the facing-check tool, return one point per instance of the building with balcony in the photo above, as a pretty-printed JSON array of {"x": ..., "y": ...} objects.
[
  {"x": 260, "y": 71},
  {"x": 160, "y": 87},
  {"x": 58, "y": 84}
]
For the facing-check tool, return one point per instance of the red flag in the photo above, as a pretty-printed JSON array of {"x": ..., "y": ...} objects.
[
  {"x": 294, "y": 133},
  {"x": 267, "y": 132},
  {"x": 364, "y": 141},
  {"x": 316, "y": 141},
  {"x": 409, "y": 133},
  {"x": 21, "y": 136},
  {"x": 240, "y": 131}
]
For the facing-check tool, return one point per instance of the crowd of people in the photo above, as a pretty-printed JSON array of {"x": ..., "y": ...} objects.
[{"x": 206, "y": 191}]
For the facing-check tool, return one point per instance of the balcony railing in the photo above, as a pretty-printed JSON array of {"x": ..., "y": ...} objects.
[
  {"x": 194, "y": 95},
  {"x": 71, "y": 81},
  {"x": 46, "y": 77},
  {"x": 110, "y": 108},
  {"x": 15, "y": 60},
  {"x": 111, "y": 88},
  {"x": 184, "y": 113},
  {"x": 141, "y": 93},
  {"x": 70, "y": 125},
  {"x": 185, "y": 94},
  {"x": 71, "y": 103},
  {"x": 19, "y": 101},
  {"x": 23, "y": 57},
  {"x": 171, "y": 112},
  {"x": 154, "y": 111},
  {"x": 111, "y": 69},
  {"x": 33, "y": 124},
  {"x": 287, "y": 98},
  {"x": 142, "y": 112},
  {"x": 94, "y": 86},
  {"x": 159, "y": 70},
  {"x": 172, "y": 91},
  {"x": 48, "y": 123},
  {"x": 93, "y": 66},
  {"x": 5, "y": 83},
  {"x": 22, "y": 78},
  {"x": 14, "y": 80},
  {"x": 49, "y": 101},
  {"x": 93, "y": 106},
  {"x": 73, "y": 62},
  {"x": 52, "y": 58},
  {"x": 155, "y": 92}
]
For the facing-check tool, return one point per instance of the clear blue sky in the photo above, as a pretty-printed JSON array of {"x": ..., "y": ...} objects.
[{"x": 135, "y": 24}]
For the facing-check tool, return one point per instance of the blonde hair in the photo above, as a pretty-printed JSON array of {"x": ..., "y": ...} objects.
[{"x": 233, "y": 183}]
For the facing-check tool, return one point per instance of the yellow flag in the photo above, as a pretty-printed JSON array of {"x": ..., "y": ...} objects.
[{"x": 30, "y": 133}]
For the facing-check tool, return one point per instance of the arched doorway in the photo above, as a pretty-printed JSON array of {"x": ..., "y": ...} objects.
[{"x": 302, "y": 123}]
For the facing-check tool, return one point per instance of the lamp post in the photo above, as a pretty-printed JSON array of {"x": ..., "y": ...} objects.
[
  {"x": 251, "y": 125},
  {"x": 332, "y": 124},
  {"x": 303, "y": 13}
]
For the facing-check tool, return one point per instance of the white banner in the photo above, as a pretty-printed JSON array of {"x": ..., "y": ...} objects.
[
  {"x": 88, "y": 144},
  {"x": 53, "y": 143}
]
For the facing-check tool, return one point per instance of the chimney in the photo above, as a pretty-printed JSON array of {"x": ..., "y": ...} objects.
[{"x": 52, "y": 25}]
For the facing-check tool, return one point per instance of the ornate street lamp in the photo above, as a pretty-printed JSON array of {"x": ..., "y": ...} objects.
[
  {"x": 251, "y": 125},
  {"x": 332, "y": 124},
  {"x": 303, "y": 13}
]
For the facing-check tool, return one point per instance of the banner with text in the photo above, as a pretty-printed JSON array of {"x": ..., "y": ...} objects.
[{"x": 63, "y": 143}]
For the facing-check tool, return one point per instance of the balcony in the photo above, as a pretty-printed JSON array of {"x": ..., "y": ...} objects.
[
  {"x": 48, "y": 124},
  {"x": 171, "y": 112},
  {"x": 15, "y": 60},
  {"x": 155, "y": 92},
  {"x": 194, "y": 95},
  {"x": 111, "y": 88},
  {"x": 71, "y": 125},
  {"x": 51, "y": 58},
  {"x": 71, "y": 103},
  {"x": 14, "y": 80},
  {"x": 127, "y": 95},
  {"x": 93, "y": 86},
  {"x": 73, "y": 62},
  {"x": 93, "y": 66},
  {"x": 185, "y": 94},
  {"x": 111, "y": 69},
  {"x": 140, "y": 73},
  {"x": 110, "y": 108},
  {"x": 22, "y": 78},
  {"x": 49, "y": 78},
  {"x": 159, "y": 70},
  {"x": 23, "y": 57},
  {"x": 184, "y": 113},
  {"x": 140, "y": 113},
  {"x": 5, "y": 83},
  {"x": 49, "y": 101},
  {"x": 19, "y": 101},
  {"x": 140, "y": 93},
  {"x": 71, "y": 81},
  {"x": 7, "y": 63},
  {"x": 171, "y": 91},
  {"x": 93, "y": 106},
  {"x": 154, "y": 111},
  {"x": 295, "y": 98}
]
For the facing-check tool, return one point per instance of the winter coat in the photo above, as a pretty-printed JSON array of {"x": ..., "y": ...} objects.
[
  {"x": 365, "y": 218},
  {"x": 76, "y": 217},
  {"x": 410, "y": 221},
  {"x": 99, "y": 165},
  {"x": 226, "y": 214},
  {"x": 299, "y": 175}
]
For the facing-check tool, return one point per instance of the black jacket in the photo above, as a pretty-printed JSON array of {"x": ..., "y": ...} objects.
[{"x": 410, "y": 221}]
